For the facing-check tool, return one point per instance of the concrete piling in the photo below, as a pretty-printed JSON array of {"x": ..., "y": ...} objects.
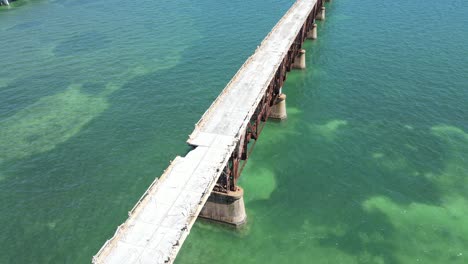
[
  {"x": 312, "y": 33},
  {"x": 321, "y": 14},
  {"x": 278, "y": 110},
  {"x": 300, "y": 62},
  {"x": 227, "y": 208}
]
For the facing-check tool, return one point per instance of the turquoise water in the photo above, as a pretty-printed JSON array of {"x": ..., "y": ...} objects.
[{"x": 96, "y": 98}]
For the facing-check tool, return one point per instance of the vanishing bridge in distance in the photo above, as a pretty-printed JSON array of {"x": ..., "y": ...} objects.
[{"x": 204, "y": 182}]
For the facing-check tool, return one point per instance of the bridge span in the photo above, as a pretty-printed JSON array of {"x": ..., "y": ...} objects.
[{"x": 204, "y": 182}]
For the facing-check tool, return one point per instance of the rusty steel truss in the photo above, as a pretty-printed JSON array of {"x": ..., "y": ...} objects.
[{"x": 231, "y": 173}]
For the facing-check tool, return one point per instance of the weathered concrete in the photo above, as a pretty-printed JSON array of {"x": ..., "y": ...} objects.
[
  {"x": 278, "y": 111},
  {"x": 161, "y": 220},
  {"x": 300, "y": 61},
  {"x": 229, "y": 113},
  {"x": 321, "y": 14},
  {"x": 227, "y": 208},
  {"x": 312, "y": 34}
]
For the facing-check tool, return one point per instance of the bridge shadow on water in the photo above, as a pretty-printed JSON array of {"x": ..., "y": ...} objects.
[
  {"x": 370, "y": 170},
  {"x": 329, "y": 187},
  {"x": 373, "y": 191},
  {"x": 346, "y": 189},
  {"x": 342, "y": 195}
]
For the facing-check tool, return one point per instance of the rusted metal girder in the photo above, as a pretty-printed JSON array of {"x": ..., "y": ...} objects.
[{"x": 231, "y": 173}]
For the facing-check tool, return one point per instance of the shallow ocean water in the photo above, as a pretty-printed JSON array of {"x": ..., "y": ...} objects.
[{"x": 96, "y": 98}]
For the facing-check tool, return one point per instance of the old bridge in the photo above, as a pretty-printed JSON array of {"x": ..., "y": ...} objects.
[{"x": 204, "y": 182}]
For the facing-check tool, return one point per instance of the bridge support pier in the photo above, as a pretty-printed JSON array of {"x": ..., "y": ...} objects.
[
  {"x": 278, "y": 110},
  {"x": 312, "y": 34},
  {"x": 321, "y": 14},
  {"x": 226, "y": 208},
  {"x": 300, "y": 62}
]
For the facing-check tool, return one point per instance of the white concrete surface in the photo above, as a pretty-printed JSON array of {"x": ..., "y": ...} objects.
[{"x": 161, "y": 220}]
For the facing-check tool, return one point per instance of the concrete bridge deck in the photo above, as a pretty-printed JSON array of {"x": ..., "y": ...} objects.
[
  {"x": 161, "y": 220},
  {"x": 230, "y": 112}
]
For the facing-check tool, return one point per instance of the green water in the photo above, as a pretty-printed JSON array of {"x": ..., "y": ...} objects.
[{"x": 96, "y": 98}]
